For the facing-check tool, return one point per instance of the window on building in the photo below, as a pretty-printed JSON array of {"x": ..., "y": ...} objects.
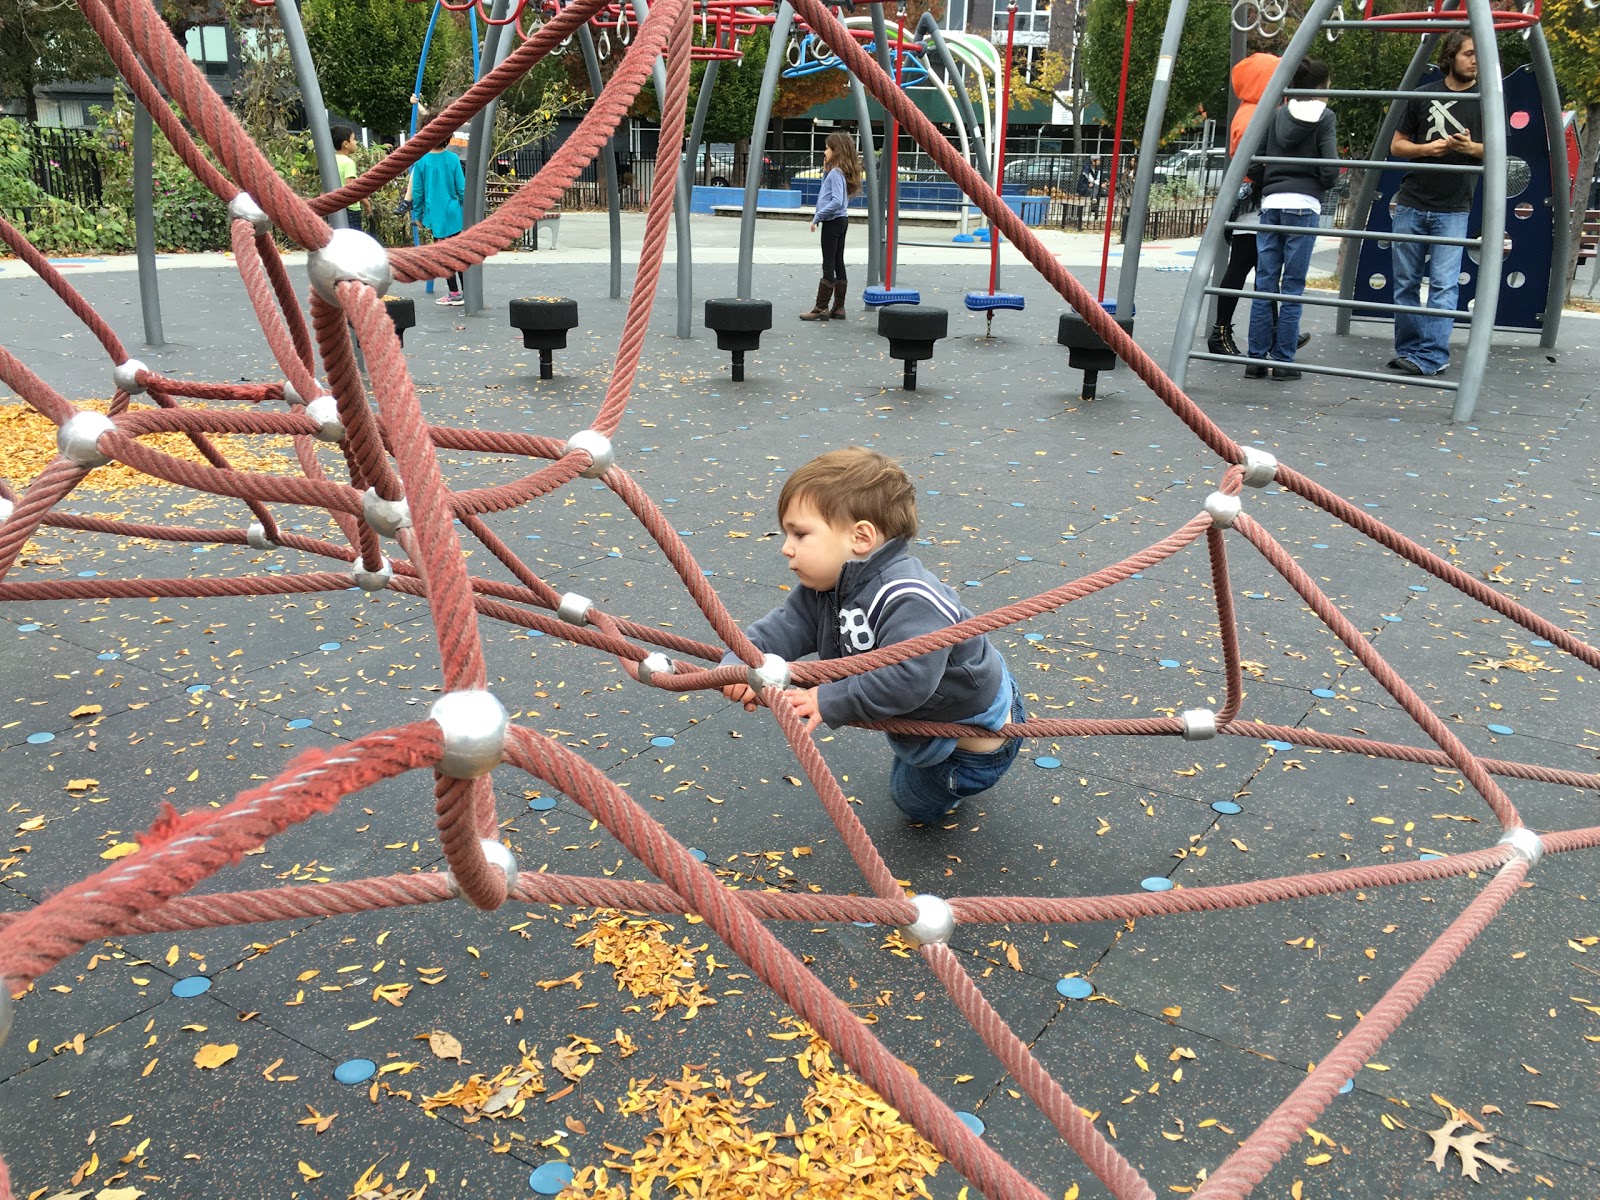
[
  {"x": 1033, "y": 20},
  {"x": 208, "y": 46}
]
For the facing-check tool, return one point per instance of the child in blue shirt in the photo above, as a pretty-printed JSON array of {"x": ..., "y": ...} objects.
[
  {"x": 438, "y": 186},
  {"x": 841, "y": 179}
]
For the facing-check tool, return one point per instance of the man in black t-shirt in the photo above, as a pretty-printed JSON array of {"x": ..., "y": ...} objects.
[{"x": 1446, "y": 129}]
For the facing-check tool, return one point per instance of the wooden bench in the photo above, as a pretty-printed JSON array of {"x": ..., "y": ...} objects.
[{"x": 1589, "y": 239}]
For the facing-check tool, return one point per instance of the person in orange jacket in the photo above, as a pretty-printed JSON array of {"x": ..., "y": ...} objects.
[{"x": 1250, "y": 76}]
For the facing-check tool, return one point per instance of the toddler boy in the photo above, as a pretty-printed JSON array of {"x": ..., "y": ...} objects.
[{"x": 847, "y": 516}]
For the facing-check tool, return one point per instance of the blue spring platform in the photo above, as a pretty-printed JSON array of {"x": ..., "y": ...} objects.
[
  {"x": 877, "y": 296},
  {"x": 989, "y": 301}
]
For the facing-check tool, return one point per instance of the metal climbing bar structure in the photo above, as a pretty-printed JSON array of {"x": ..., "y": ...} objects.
[
  {"x": 1366, "y": 280},
  {"x": 369, "y": 458}
]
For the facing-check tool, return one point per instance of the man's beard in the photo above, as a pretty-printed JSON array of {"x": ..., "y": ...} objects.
[{"x": 1457, "y": 77}]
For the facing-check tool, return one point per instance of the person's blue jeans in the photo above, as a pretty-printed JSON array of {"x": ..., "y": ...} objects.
[
  {"x": 1282, "y": 258},
  {"x": 1426, "y": 340},
  {"x": 927, "y": 794}
]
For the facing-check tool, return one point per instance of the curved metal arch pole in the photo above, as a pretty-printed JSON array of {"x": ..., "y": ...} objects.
[
  {"x": 305, "y": 73},
  {"x": 777, "y": 47},
  {"x": 591, "y": 61},
  {"x": 880, "y": 46},
  {"x": 144, "y": 223},
  {"x": 480, "y": 149},
  {"x": 928, "y": 28},
  {"x": 1361, "y": 205},
  {"x": 1154, "y": 117},
  {"x": 1560, "y": 188},
  {"x": 869, "y": 165},
  {"x": 1254, "y": 134},
  {"x": 708, "y": 81},
  {"x": 1492, "y": 103},
  {"x": 684, "y": 268}
]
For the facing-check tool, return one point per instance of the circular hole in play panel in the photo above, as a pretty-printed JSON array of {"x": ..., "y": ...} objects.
[
  {"x": 1516, "y": 279},
  {"x": 1376, "y": 282},
  {"x": 1519, "y": 120},
  {"x": 1523, "y": 211},
  {"x": 1518, "y": 175},
  {"x": 1463, "y": 278}
]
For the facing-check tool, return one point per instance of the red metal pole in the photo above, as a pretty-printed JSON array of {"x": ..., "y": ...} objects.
[
  {"x": 894, "y": 147},
  {"x": 1116, "y": 151},
  {"x": 1000, "y": 158}
]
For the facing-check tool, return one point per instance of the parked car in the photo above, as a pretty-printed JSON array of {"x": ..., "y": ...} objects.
[{"x": 1200, "y": 169}]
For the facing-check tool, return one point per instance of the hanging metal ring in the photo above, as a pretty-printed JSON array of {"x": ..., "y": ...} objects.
[
  {"x": 603, "y": 46},
  {"x": 1270, "y": 29},
  {"x": 1273, "y": 11},
  {"x": 1243, "y": 21},
  {"x": 1333, "y": 34}
]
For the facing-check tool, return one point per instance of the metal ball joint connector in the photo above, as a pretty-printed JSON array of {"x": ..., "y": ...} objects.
[
  {"x": 79, "y": 436},
  {"x": 574, "y": 609},
  {"x": 773, "y": 672},
  {"x": 126, "y": 376},
  {"x": 324, "y": 410},
  {"x": 474, "y": 725},
  {"x": 1260, "y": 468},
  {"x": 372, "y": 581},
  {"x": 1525, "y": 842},
  {"x": 934, "y": 924},
  {"x": 1199, "y": 724},
  {"x": 6, "y": 509},
  {"x": 499, "y": 855},
  {"x": 653, "y": 665},
  {"x": 387, "y": 517},
  {"x": 349, "y": 255},
  {"x": 598, "y": 446},
  {"x": 1224, "y": 509},
  {"x": 243, "y": 207},
  {"x": 256, "y": 537}
]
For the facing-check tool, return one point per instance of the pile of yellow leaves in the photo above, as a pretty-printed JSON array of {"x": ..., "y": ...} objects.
[
  {"x": 644, "y": 962},
  {"x": 501, "y": 1096}
]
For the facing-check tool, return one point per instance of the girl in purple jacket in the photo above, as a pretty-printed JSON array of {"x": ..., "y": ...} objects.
[{"x": 841, "y": 179}]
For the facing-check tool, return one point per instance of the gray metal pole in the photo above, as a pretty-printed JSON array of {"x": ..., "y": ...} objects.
[
  {"x": 776, "y": 49},
  {"x": 869, "y": 165},
  {"x": 1492, "y": 103},
  {"x": 927, "y": 27},
  {"x": 1238, "y": 49},
  {"x": 1154, "y": 117},
  {"x": 305, "y": 73},
  {"x": 591, "y": 60},
  {"x": 697, "y": 128},
  {"x": 680, "y": 208},
  {"x": 1560, "y": 201},
  {"x": 144, "y": 223},
  {"x": 1254, "y": 134},
  {"x": 497, "y": 46},
  {"x": 880, "y": 45}
]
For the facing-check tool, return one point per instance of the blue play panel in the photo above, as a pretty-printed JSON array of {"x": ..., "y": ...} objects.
[
  {"x": 989, "y": 301},
  {"x": 877, "y": 296}
]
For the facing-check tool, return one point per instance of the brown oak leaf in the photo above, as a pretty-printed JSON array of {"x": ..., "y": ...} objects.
[{"x": 1445, "y": 1139}]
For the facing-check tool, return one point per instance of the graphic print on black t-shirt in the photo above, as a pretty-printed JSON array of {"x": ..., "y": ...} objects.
[{"x": 1427, "y": 119}]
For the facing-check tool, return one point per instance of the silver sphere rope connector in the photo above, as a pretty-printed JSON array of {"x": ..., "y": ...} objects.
[
  {"x": 324, "y": 410},
  {"x": 387, "y": 517},
  {"x": 1260, "y": 468},
  {"x": 349, "y": 255},
  {"x": 773, "y": 672},
  {"x": 1224, "y": 509},
  {"x": 474, "y": 725},
  {"x": 934, "y": 924},
  {"x": 6, "y": 509},
  {"x": 499, "y": 855},
  {"x": 653, "y": 665},
  {"x": 1199, "y": 724},
  {"x": 598, "y": 446},
  {"x": 79, "y": 437},
  {"x": 126, "y": 376},
  {"x": 243, "y": 207},
  {"x": 256, "y": 537},
  {"x": 574, "y": 609},
  {"x": 372, "y": 581},
  {"x": 291, "y": 394},
  {"x": 1525, "y": 842}
]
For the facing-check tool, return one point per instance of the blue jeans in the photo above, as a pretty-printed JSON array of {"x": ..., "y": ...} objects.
[
  {"x": 927, "y": 794},
  {"x": 1426, "y": 340},
  {"x": 1281, "y": 263}
]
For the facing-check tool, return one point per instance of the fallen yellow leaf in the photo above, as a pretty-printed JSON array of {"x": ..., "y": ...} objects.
[{"x": 211, "y": 1056}]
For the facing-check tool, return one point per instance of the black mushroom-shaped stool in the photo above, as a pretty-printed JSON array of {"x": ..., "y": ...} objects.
[
  {"x": 1087, "y": 352},
  {"x": 403, "y": 312},
  {"x": 544, "y": 321},
  {"x": 912, "y": 333},
  {"x": 739, "y": 325}
]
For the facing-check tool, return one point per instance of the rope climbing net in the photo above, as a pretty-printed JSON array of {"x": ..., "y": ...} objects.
[{"x": 392, "y": 487}]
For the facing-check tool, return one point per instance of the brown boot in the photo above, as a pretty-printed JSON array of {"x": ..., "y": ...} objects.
[
  {"x": 840, "y": 287},
  {"x": 819, "y": 310}
]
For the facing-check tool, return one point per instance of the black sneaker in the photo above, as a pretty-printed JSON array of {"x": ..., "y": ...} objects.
[
  {"x": 1405, "y": 366},
  {"x": 1301, "y": 344},
  {"x": 1286, "y": 373},
  {"x": 1255, "y": 372}
]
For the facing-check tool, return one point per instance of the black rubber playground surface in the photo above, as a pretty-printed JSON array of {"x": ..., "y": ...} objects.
[{"x": 1198, "y": 1025}]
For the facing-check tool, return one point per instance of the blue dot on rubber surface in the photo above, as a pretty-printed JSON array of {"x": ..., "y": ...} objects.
[
  {"x": 194, "y": 689},
  {"x": 1502, "y": 730},
  {"x": 1075, "y": 989},
  {"x": 108, "y": 656},
  {"x": 542, "y": 803},
  {"x": 1348, "y": 1086},
  {"x": 1046, "y": 761},
  {"x": 1417, "y": 587},
  {"x": 329, "y": 646},
  {"x": 551, "y": 1179},
  {"x": 39, "y": 739},
  {"x": 195, "y": 985},
  {"x": 1170, "y": 662},
  {"x": 1392, "y": 618},
  {"x": 355, "y": 1070},
  {"x": 534, "y": 632},
  {"x": 1277, "y": 745},
  {"x": 300, "y": 723},
  {"x": 1319, "y": 545},
  {"x": 663, "y": 741},
  {"x": 1226, "y": 807},
  {"x": 1156, "y": 883},
  {"x": 1428, "y": 856},
  {"x": 1324, "y": 693},
  {"x": 697, "y": 854},
  {"x": 28, "y": 628},
  {"x": 971, "y": 1122}
]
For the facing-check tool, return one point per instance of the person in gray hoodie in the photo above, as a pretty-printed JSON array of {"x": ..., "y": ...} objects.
[
  {"x": 846, "y": 517},
  {"x": 1292, "y": 194}
]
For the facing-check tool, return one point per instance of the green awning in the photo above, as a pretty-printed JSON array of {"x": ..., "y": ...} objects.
[{"x": 936, "y": 108}]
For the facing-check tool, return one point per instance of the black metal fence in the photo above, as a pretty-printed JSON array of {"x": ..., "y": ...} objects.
[{"x": 66, "y": 164}]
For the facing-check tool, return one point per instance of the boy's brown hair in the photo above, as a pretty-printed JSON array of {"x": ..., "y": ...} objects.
[{"x": 855, "y": 484}]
